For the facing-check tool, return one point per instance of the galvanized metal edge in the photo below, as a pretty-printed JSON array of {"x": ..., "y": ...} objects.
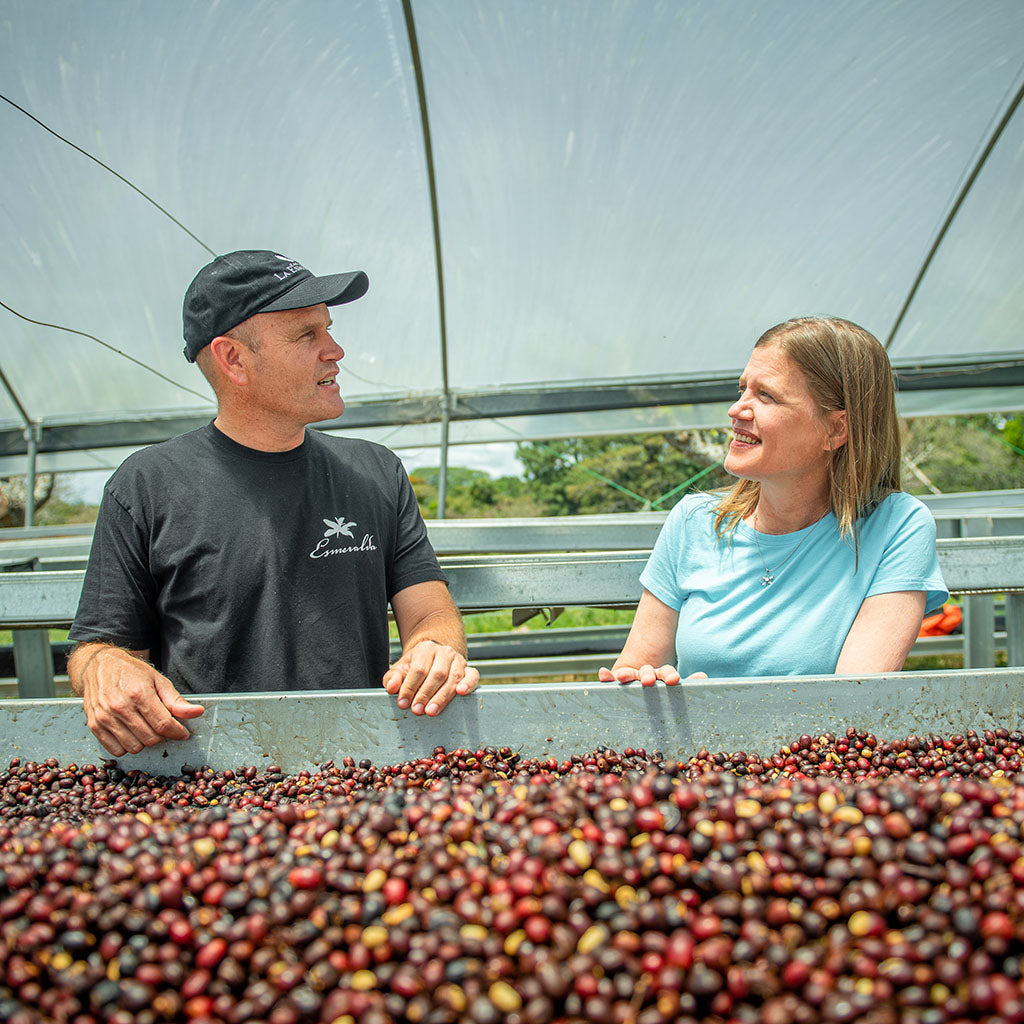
[{"x": 301, "y": 730}]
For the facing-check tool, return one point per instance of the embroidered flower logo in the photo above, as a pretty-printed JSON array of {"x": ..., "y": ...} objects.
[{"x": 338, "y": 527}]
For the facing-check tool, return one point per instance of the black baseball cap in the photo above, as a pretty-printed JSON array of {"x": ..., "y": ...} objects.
[{"x": 239, "y": 284}]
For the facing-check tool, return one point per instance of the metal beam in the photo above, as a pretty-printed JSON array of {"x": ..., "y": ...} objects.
[
  {"x": 129, "y": 431},
  {"x": 435, "y": 219},
  {"x": 1014, "y": 629},
  {"x": 510, "y": 401},
  {"x": 39, "y": 598},
  {"x": 510, "y": 665},
  {"x": 974, "y": 503},
  {"x": 607, "y": 532},
  {"x": 612, "y": 532},
  {"x": 32, "y": 440},
  {"x": 596, "y": 579}
]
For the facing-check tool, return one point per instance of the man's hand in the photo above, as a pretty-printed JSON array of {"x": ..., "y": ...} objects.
[
  {"x": 432, "y": 669},
  {"x": 128, "y": 704},
  {"x": 428, "y": 676}
]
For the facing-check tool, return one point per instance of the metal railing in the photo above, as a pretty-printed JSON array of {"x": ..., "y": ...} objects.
[
  {"x": 31, "y": 602},
  {"x": 530, "y": 564}
]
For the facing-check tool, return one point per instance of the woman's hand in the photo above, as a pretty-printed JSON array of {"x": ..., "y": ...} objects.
[
  {"x": 651, "y": 642},
  {"x": 648, "y": 675}
]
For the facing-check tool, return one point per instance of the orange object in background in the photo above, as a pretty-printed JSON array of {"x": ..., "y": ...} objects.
[{"x": 942, "y": 622}]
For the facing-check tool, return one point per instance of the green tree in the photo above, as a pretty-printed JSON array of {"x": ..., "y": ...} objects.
[
  {"x": 472, "y": 494},
  {"x": 1013, "y": 434},
  {"x": 623, "y": 473},
  {"x": 546, "y": 466},
  {"x": 55, "y": 504},
  {"x": 628, "y": 473},
  {"x": 959, "y": 453},
  {"x": 14, "y": 497}
]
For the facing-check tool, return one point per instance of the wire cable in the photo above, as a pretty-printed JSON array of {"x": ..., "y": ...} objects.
[
  {"x": 120, "y": 177},
  {"x": 347, "y": 370},
  {"x": 686, "y": 483},
  {"x": 998, "y": 436},
  {"x": 547, "y": 447},
  {"x": 107, "y": 345},
  {"x": 149, "y": 199}
]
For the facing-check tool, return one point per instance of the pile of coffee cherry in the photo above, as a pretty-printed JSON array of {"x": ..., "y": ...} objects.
[{"x": 841, "y": 878}]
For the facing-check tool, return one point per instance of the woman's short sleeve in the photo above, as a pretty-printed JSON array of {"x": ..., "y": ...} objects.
[
  {"x": 909, "y": 559},
  {"x": 661, "y": 575}
]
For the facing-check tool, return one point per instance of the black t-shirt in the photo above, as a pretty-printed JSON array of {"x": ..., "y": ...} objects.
[{"x": 246, "y": 570}]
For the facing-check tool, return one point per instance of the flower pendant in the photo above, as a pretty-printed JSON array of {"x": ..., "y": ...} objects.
[{"x": 767, "y": 579}]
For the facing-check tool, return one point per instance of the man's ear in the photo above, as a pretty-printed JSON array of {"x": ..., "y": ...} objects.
[
  {"x": 836, "y": 424},
  {"x": 231, "y": 359}
]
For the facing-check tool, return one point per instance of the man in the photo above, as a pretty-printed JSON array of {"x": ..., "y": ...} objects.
[{"x": 254, "y": 554}]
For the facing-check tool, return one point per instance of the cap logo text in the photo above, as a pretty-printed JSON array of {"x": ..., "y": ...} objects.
[{"x": 288, "y": 271}]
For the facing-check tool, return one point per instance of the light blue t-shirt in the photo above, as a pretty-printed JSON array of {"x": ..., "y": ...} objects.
[{"x": 730, "y": 625}]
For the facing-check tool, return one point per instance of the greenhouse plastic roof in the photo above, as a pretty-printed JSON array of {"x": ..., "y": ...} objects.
[{"x": 628, "y": 193}]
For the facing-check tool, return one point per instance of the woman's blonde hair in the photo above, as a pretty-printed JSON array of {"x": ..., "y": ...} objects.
[{"x": 845, "y": 367}]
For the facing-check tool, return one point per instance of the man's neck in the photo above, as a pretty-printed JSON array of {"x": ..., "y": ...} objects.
[{"x": 261, "y": 437}]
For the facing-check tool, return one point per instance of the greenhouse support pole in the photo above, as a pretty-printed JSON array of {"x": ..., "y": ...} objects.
[
  {"x": 32, "y": 437},
  {"x": 428, "y": 155},
  {"x": 442, "y": 479},
  {"x": 979, "y": 609}
]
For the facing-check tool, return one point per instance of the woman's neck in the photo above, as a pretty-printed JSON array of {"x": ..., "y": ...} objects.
[{"x": 788, "y": 515}]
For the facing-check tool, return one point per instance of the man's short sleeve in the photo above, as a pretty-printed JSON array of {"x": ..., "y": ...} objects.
[
  {"x": 414, "y": 561},
  {"x": 118, "y": 601}
]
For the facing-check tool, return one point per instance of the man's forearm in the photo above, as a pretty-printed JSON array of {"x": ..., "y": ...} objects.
[
  {"x": 442, "y": 627},
  {"x": 79, "y": 660},
  {"x": 83, "y": 656}
]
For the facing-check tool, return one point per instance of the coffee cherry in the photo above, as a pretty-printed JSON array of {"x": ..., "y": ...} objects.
[{"x": 839, "y": 877}]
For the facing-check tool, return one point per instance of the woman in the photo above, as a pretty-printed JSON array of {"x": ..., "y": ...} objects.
[{"x": 815, "y": 561}]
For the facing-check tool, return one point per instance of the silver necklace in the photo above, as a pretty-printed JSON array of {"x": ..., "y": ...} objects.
[{"x": 769, "y": 577}]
